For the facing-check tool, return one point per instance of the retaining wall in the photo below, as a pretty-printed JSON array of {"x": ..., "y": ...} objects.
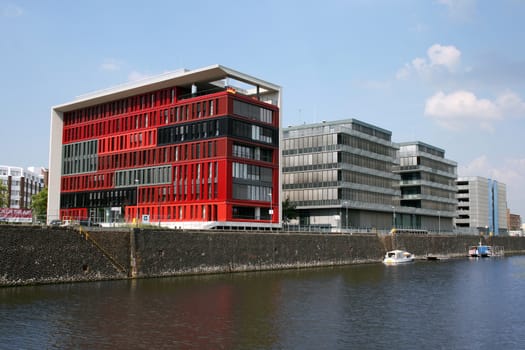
[{"x": 32, "y": 255}]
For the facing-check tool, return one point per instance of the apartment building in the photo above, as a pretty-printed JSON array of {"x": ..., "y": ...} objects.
[{"x": 21, "y": 184}]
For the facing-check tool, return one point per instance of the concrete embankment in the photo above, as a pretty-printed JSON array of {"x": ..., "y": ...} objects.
[{"x": 33, "y": 255}]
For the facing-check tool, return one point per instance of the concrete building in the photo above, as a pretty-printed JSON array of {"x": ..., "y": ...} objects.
[
  {"x": 187, "y": 149},
  {"x": 482, "y": 205},
  {"x": 339, "y": 175},
  {"x": 21, "y": 184},
  {"x": 514, "y": 221},
  {"x": 428, "y": 188}
]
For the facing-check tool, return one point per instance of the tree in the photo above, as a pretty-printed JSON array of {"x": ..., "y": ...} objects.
[
  {"x": 289, "y": 211},
  {"x": 39, "y": 204},
  {"x": 3, "y": 195}
]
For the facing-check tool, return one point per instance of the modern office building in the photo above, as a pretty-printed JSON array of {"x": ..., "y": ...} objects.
[
  {"x": 428, "y": 188},
  {"x": 339, "y": 175},
  {"x": 187, "y": 149},
  {"x": 21, "y": 184},
  {"x": 482, "y": 205}
]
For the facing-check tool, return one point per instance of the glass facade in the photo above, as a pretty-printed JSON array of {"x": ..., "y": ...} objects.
[
  {"x": 339, "y": 174},
  {"x": 428, "y": 189}
]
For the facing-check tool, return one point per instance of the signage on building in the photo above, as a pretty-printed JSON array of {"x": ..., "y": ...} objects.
[{"x": 16, "y": 215}]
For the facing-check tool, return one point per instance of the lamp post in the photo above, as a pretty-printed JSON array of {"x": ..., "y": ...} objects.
[
  {"x": 439, "y": 221},
  {"x": 345, "y": 203},
  {"x": 394, "y": 216},
  {"x": 137, "y": 202},
  {"x": 271, "y": 211}
]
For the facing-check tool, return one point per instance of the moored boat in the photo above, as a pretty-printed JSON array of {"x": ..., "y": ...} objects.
[
  {"x": 397, "y": 256},
  {"x": 485, "y": 251}
]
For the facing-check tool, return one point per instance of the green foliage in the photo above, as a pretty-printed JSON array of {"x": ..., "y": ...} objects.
[
  {"x": 289, "y": 211},
  {"x": 3, "y": 195},
  {"x": 39, "y": 205}
]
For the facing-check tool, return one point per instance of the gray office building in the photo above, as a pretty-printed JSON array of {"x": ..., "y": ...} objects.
[
  {"x": 428, "y": 188},
  {"x": 339, "y": 175},
  {"x": 482, "y": 205}
]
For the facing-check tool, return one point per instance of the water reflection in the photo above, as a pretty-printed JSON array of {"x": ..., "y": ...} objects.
[{"x": 456, "y": 304}]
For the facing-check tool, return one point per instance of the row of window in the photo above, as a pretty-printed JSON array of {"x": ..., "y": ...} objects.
[
  {"x": 364, "y": 196},
  {"x": 369, "y": 130},
  {"x": 329, "y": 178},
  {"x": 300, "y": 197},
  {"x": 365, "y": 145},
  {"x": 251, "y": 172},
  {"x": 430, "y": 163},
  {"x": 252, "y": 152},
  {"x": 217, "y": 128},
  {"x": 308, "y": 179},
  {"x": 317, "y": 149},
  {"x": 131, "y": 104},
  {"x": 143, "y": 176},
  {"x": 364, "y": 162},
  {"x": 161, "y": 155},
  {"x": 427, "y": 204},
  {"x": 311, "y": 167},
  {"x": 309, "y": 159},
  {"x": 251, "y": 213},
  {"x": 329, "y": 196},
  {"x": 128, "y": 141},
  {"x": 99, "y": 199},
  {"x": 87, "y": 181},
  {"x": 80, "y": 157},
  {"x": 252, "y": 111},
  {"x": 251, "y": 192},
  {"x": 428, "y": 191},
  {"x": 199, "y": 212},
  {"x": 130, "y": 122},
  {"x": 196, "y": 181},
  {"x": 422, "y": 148}
]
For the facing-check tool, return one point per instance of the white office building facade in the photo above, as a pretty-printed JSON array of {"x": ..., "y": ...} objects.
[{"x": 482, "y": 205}]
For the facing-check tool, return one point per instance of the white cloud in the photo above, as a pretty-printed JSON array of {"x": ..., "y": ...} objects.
[
  {"x": 11, "y": 10},
  {"x": 461, "y": 109},
  {"x": 438, "y": 58},
  {"x": 511, "y": 105},
  {"x": 477, "y": 167},
  {"x": 447, "y": 56}
]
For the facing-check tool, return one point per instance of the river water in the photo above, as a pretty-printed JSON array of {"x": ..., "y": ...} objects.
[{"x": 453, "y": 304}]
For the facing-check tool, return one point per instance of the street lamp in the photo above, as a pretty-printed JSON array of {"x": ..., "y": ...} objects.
[
  {"x": 439, "y": 221},
  {"x": 345, "y": 203},
  {"x": 394, "y": 216},
  {"x": 137, "y": 202},
  {"x": 271, "y": 211}
]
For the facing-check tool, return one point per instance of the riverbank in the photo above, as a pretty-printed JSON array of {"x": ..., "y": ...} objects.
[{"x": 35, "y": 255}]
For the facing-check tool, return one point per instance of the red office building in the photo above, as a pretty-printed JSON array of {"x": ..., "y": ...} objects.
[{"x": 188, "y": 149}]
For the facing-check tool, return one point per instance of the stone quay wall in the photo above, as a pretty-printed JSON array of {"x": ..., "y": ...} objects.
[{"x": 35, "y": 255}]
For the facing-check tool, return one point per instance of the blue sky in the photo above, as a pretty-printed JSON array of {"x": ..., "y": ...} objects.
[{"x": 450, "y": 73}]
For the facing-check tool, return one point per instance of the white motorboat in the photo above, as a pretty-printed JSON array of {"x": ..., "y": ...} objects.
[{"x": 398, "y": 257}]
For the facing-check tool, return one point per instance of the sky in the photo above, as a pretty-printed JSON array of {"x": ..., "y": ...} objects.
[{"x": 450, "y": 73}]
